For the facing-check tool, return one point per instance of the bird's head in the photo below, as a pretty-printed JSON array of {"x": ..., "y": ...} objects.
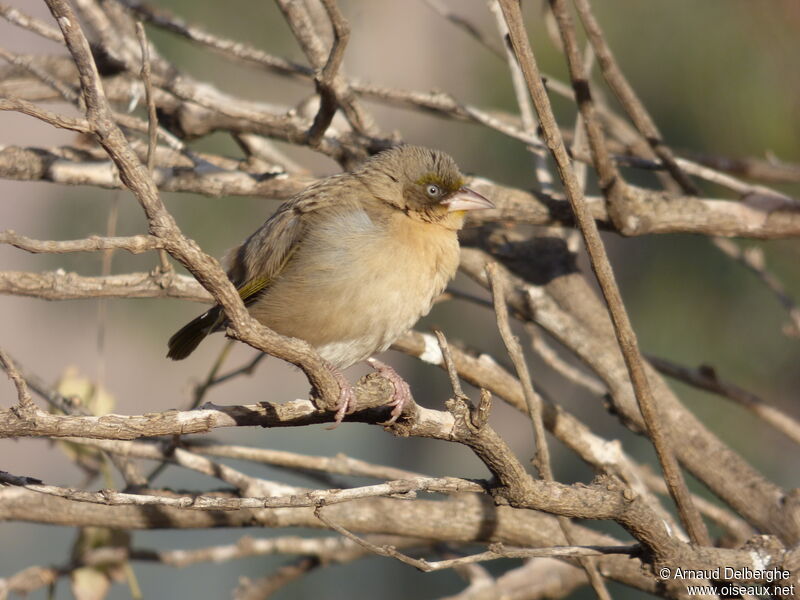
[{"x": 425, "y": 184}]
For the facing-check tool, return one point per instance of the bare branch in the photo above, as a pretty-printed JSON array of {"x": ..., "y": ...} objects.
[
  {"x": 134, "y": 244},
  {"x": 326, "y": 80},
  {"x": 61, "y": 88},
  {"x": 212, "y": 503},
  {"x": 496, "y": 551},
  {"x": 61, "y": 285},
  {"x": 300, "y": 22},
  {"x": 534, "y": 405},
  {"x": 622, "y": 326},
  {"x": 26, "y": 404},
  {"x": 769, "y": 169},
  {"x": 56, "y": 120},
  {"x": 527, "y": 114},
  {"x": 220, "y": 178},
  {"x": 753, "y": 259},
  {"x": 38, "y": 27},
  {"x": 706, "y": 378},
  {"x": 627, "y": 96},
  {"x": 470, "y": 28},
  {"x": 339, "y": 464}
]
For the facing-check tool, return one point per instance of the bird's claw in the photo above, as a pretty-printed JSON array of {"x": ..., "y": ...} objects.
[
  {"x": 347, "y": 398},
  {"x": 402, "y": 392}
]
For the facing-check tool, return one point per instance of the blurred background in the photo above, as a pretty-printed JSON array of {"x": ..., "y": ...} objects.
[{"x": 720, "y": 77}]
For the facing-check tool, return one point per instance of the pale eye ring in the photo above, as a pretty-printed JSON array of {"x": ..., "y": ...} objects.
[{"x": 433, "y": 190}]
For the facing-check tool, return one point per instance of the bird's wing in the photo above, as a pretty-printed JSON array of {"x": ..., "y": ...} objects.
[{"x": 265, "y": 254}]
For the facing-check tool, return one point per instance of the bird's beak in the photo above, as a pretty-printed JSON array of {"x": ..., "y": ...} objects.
[{"x": 466, "y": 199}]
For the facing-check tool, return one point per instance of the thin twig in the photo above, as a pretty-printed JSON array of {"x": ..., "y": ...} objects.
[
  {"x": 558, "y": 364},
  {"x": 213, "y": 503},
  {"x": 135, "y": 244},
  {"x": 152, "y": 123},
  {"x": 163, "y": 18},
  {"x": 264, "y": 587},
  {"x": 465, "y": 25},
  {"x": 478, "y": 415},
  {"x": 12, "y": 15},
  {"x": 54, "y": 119},
  {"x": 452, "y": 373},
  {"x": 102, "y": 306},
  {"x": 535, "y": 410},
  {"x": 26, "y": 403},
  {"x": 49, "y": 393},
  {"x": 328, "y": 103},
  {"x": 752, "y": 258},
  {"x": 609, "y": 178},
  {"x": 602, "y": 268},
  {"x": 197, "y": 398},
  {"x": 532, "y": 400},
  {"x": 579, "y": 141},
  {"x": 152, "y": 118},
  {"x": 765, "y": 169},
  {"x": 63, "y": 90},
  {"x": 732, "y": 183},
  {"x": 211, "y": 379},
  {"x": 705, "y": 378},
  {"x": 300, "y": 22},
  {"x": 628, "y": 98},
  {"x": 339, "y": 464},
  {"x": 496, "y": 551},
  {"x": 247, "y": 369},
  {"x": 527, "y": 114}
]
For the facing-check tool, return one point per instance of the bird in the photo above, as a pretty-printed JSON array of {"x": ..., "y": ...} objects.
[{"x": 352, "y": 262}]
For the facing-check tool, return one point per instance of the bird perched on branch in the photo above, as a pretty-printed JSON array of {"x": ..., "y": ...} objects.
[{"x": 352, "y": 262}]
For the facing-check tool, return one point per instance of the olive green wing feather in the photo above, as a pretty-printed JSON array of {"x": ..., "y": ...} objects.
[
  {"x": 254, "y": 265},
  {"x": 264, "y": 255},
  {"x": 260, "y": 260}
]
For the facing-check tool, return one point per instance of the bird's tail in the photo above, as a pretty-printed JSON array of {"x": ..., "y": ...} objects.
[{"x": 188, "y": 337}]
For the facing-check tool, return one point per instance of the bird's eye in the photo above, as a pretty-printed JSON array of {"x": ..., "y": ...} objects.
[{"x": 433, "y": 190}]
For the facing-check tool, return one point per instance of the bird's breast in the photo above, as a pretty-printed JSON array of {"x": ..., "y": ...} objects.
[{"x": 356, "y": 283}]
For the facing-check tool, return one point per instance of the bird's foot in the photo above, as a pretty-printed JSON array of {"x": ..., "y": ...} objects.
[
  {"x": 402, "y": 393},
  {"x": 347, "y": 397}
]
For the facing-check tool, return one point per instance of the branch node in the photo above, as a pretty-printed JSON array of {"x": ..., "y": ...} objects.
[{"x": 479, "y": 416}]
